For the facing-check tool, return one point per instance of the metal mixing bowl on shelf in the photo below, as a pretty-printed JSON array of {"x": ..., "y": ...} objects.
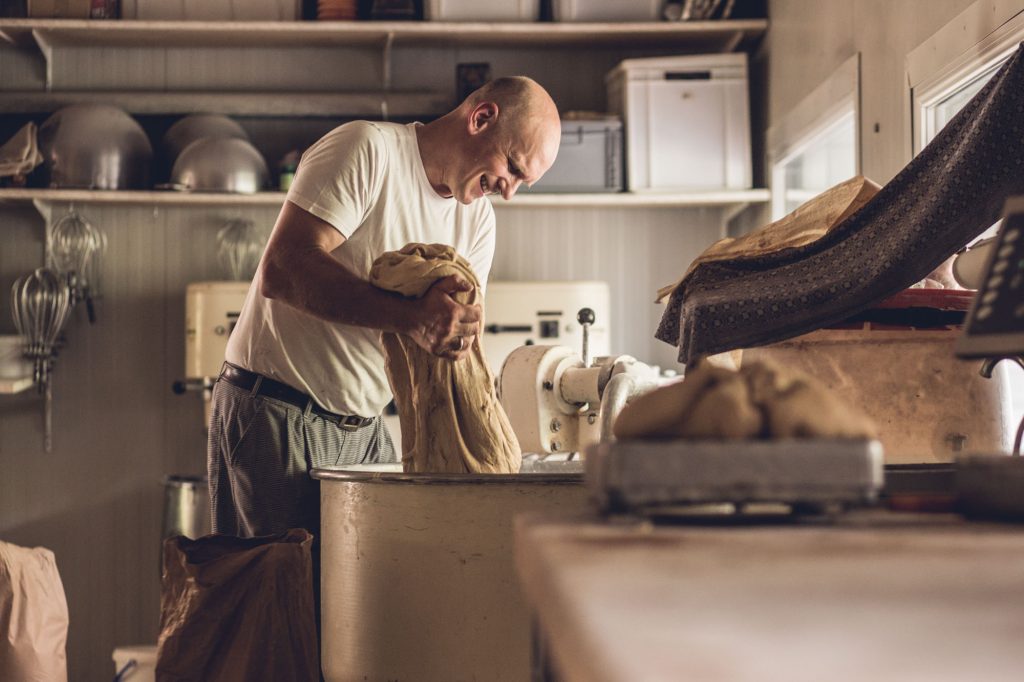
[
  {"x": 219, "y": 164},
  {"x": 187, "y": 130},
  {"x": 95, "y": 146}
]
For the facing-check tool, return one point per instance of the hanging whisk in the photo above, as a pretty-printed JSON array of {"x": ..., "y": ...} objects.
[
  {"x": 41, "y": 302},
  {"x": 75, "y": 250},
  {"x": 239, "y": 249}
]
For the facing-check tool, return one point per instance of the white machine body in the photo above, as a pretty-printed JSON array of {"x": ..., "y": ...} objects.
[
  {"x": 556, "y": 403},
  {"x": 211, "y": 311},
  {"x": 524, "y": 313}
]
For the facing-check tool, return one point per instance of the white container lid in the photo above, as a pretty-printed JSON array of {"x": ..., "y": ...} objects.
[{"x": 730, "y": 64}]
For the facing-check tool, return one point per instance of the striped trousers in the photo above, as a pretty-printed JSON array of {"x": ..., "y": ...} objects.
[{"x": 260, "y": 452}]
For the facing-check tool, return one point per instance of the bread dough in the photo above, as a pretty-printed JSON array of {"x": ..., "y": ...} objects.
[
  {"x": 451, "y": 419},
  {"x": 761, "y": 400}
]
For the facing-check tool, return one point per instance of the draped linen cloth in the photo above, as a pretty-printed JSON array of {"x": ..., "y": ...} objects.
[
  {"x": 810, "y": 222},
  {"x": 451, "y": 419},
  {"x": 947, "y": 195}
]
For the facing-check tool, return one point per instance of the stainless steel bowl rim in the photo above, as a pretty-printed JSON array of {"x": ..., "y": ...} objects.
[
  {"x": 353, "y": 474},
  {"x": 206, "y": 165}
]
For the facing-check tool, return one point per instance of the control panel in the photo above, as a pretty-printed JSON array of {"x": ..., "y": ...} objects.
[{"x": 995, "y": 323}]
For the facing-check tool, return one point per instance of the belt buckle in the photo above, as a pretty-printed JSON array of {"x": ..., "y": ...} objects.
[{"x": 350, "y": 422}]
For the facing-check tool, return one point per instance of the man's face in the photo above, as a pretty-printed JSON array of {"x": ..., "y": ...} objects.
[{"x": 499, "y": 161}]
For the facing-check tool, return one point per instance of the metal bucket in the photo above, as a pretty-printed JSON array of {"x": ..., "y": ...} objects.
[
  {"x": 186, "y": 507},
  {"x": 418, "y": 581}
]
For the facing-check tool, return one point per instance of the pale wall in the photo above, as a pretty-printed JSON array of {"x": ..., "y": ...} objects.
[
  {"x": 96, "y": 499},
  {"x": 809, "y": 40}
]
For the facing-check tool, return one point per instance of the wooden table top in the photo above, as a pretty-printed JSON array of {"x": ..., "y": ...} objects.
[{"x": 874, "y": 596}]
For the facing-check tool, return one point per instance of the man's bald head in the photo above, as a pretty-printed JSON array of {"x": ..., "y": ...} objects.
[
  {"x": 523, "y": 103},
  {"x": 503, "y": 135}
]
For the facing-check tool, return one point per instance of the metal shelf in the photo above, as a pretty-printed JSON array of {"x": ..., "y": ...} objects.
[
  {"x": 279, "y": 103},
  {"x": 696, "y": 199},
  {"x": 690, "y": 36},
  {"x": 732, "y": 198},
  {"x": 135, "y": 198}
]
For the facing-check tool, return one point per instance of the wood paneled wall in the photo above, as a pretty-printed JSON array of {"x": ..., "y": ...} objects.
[
  {"x": 808, "y": 41},
  {"x": 96, "y": 500}
]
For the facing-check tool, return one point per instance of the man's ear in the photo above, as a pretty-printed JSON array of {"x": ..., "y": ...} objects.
[{"x": 483, "y": 116}]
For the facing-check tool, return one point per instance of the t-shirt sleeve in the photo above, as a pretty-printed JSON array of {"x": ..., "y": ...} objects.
[
  {"x": 340, "y": 176},
  {"x": 481, "y": 254}
]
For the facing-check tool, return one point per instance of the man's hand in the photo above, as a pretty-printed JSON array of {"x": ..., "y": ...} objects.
[{"x": 445, "y": 327}]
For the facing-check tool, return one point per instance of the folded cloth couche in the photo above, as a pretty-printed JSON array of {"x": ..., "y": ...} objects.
[{"x": 947, "y": 195}]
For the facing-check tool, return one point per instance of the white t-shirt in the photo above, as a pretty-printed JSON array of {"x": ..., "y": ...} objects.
[{"x": 368, "y": 181}]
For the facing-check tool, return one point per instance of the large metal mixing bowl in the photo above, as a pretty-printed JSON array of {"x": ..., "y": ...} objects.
[
  {"x": 187, "y": 130},
  {"x": 95, "y": 146},
  {"x": 220, "y": 164},
  {"x": 418, "y": 581}
]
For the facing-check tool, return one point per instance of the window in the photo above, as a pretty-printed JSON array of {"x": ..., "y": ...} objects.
[
  {"x": 951, "y": 67},
  {"x": 947, "y": 70},
  {"x": 824, "y": 159},
  {"x": 815, "y": 146}
]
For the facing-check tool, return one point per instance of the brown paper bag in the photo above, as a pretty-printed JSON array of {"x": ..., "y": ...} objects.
[
  {"x": 238, "y": 609},
  {"x": 33, "y": 616}
]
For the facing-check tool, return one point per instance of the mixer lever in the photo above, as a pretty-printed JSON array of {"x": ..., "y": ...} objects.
[{"x": 586, "y": 318}]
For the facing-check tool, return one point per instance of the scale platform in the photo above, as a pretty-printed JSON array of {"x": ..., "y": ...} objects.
[{"x": 809, "y": 475}]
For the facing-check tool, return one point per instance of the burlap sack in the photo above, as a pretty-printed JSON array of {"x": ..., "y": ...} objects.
[{"x": 238, "y": 609}]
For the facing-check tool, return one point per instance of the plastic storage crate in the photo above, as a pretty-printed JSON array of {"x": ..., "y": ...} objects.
[
  {"x": 589, "y": 159},
  {"x": 606, "y": 10},
  {"x": 687, "y": 121},
  {"x": 474, "y": 10}
]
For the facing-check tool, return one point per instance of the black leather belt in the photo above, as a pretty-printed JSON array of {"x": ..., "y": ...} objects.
[{"x": 257, "y": 384}]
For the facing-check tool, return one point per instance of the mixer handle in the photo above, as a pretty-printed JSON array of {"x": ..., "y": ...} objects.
[{"x": 586, "y": 318}]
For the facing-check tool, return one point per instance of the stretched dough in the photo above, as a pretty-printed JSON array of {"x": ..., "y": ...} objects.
[{"x": 451, "y": 419}]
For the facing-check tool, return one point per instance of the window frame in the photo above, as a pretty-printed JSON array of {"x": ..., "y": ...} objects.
[
  {"x": 830, "y": 104},
  {"x": 954, "y": 56}
]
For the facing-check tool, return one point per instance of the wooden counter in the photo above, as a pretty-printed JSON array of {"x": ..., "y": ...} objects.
[{"x": 875, "y": 596}]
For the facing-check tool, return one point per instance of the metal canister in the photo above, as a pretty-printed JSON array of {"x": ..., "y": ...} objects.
[{"x": 186, "y": 506}]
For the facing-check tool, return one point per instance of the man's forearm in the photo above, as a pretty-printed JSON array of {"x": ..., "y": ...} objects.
[{"x": 315, "y": 283}]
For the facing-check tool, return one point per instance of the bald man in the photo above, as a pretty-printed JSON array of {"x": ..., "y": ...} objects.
[{"x": 304, "y": 382}]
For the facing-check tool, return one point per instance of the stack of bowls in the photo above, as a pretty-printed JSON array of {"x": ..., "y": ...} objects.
[{"x": 212, "y": 153}]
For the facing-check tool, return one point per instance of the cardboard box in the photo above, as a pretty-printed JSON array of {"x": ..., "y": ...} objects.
[
  {"x": 59, "y": 9},
  {"x": 212, "y": 10}
]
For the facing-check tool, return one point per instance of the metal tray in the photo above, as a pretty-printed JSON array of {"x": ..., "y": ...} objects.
[{"x": 637, "y": 476}]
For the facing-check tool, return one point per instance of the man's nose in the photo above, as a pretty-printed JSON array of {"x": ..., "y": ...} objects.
[{"x": 509, "y": 188}]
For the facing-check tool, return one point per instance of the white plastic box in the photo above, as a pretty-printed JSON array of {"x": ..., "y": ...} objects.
[
  {"x": 687, "y": 121},
  {"x": 475, "y": 10},
  {"x": 589, "y": 159},
  {"x": 606, "y": 10}
]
